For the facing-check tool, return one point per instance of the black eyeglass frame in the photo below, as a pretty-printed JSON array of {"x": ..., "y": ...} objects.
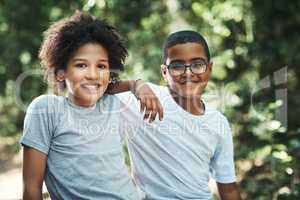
[{"x": 190, "y": 66}]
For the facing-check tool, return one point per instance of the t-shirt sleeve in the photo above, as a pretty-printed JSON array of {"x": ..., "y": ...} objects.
[
  {"x": 130, "y": 114},
  {"x": 132, "y": 118},
  {"x": 222, "y": 164},
  {"x": 39, "y": 124}
]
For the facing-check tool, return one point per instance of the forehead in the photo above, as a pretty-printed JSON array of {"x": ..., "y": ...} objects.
[
  {"x": 91, "y": 50},
  {"x": 186, "y": 52}
]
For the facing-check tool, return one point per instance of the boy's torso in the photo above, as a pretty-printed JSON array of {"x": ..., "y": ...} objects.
[
  {"x": 85, "y": 159},
  {"x": 172, "y": 158}
]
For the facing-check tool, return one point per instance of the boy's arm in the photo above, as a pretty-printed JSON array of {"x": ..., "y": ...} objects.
[
  {"x": 143, "y": 93},
  {"x": 34, "y": 165},
  {"x": 228, "y": 191},
  {"x": 120, "y": 86}
]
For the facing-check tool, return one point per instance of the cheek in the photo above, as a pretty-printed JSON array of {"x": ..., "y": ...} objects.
[
  {"x": 173, "y": 79},
  {"x": 203, "y": 77},
  {"x": 105, "y": 77},
  {"x": 174, "y": 83}
]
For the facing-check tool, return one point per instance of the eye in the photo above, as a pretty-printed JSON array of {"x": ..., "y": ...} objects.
[
  {"x": 80, "y": 65},
  {"x": 199, "y": 64},
  {"x": 102, "y": 66},
  {"x": 176, "y": 65}
]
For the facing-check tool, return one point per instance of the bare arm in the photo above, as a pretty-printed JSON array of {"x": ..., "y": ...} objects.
[
  {"x": 228, "y": 191},
  {"x": 34, "y": 165},
  {"x": 121, "y": 86}
]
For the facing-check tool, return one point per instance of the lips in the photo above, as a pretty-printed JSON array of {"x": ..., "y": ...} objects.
[
  {"x": 91, "y": 87},
  {"x": 189, "y": 82}
]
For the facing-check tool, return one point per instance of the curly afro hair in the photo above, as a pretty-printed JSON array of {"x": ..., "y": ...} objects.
[{"x": 65, "y": 36}]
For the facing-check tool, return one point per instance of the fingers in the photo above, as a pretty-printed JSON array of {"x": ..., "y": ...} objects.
[
  {"x": 152, "y": 108},
  {"x": 143, "y": 104},
  {"x": 153, "y": 111},
  {"x": 149, "y": 103},
  {"x": 148, "y": 106},
  {"x": 160, "y": 110},
  {"x": 157, "y": 109}
]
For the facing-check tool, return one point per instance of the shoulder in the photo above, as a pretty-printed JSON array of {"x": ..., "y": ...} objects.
[
  {"x": 109, "y": 98},
  {"x": 125, "y": 97},
  {"x": 214, "y": 114},
  {"x": 156, "y": 87},
  {"x": 159, "y": 90},
  {"x": 45, "y": 103},
  {"x": 216, "y": 119},
  {"x": 109, "y": 102}
]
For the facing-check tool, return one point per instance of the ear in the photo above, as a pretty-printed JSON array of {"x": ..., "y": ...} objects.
[
  {"x": 163, "y": 69},
  {"x": 209, "y": 70},
  {"x": 60, "y": 76},
  {"x": 209, "y": 66}
]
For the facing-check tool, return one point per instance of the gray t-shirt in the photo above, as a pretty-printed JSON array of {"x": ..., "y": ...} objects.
[
  {"x": 83, "y": 147},
  {"x": 174, "y": 159}
]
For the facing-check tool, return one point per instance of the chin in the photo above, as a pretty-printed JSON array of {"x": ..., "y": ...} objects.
[
  {"x": 91, "y": 99},
  {"x": 189, "y": 91},
  {"x": 191, "y": 95},
  {"x": 196, "y": 93}
]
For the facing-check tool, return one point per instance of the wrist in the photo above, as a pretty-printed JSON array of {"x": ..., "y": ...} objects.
[{"x": 136, "y": 85}]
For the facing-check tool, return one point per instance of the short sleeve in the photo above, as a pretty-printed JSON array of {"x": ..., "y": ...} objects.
[
  {"x": 222, "y": 163},
  {"x": 39, "y": 124},
  {"x": 131, "y": 118}
]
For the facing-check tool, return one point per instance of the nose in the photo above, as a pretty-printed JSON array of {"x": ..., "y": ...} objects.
[
  {"x": 93, "y": 73},
  {"x": 188, "y": 71}
]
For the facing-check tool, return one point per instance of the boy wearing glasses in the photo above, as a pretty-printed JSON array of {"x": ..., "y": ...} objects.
[{"x": 175, "y": 158}]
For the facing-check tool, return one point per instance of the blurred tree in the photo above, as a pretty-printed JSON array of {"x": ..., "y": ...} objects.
[
  {"x": 21, "y": 26},
  {"x": 253, "y": 45},
  {"x": 275, "y": 46}
]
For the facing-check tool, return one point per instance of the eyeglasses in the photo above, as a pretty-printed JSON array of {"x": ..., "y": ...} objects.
[{"x": 196, "y": 67}]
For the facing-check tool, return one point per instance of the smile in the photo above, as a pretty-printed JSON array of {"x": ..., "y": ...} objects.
[
  {"x": 189, "y": 82},
  {"x": 91, "y": 87}
]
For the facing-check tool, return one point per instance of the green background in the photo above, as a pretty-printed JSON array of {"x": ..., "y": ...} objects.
[{"x": 255, "y": 80}]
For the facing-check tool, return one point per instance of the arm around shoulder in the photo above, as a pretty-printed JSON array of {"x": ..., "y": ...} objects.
[
  {"x": 143, "y": 92},
  {"x": 34, "y": 165}
]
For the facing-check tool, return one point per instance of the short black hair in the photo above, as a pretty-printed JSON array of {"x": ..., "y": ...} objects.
[
  {"x": 182, "y": 37},
  {"x": 67, "y": 35}
]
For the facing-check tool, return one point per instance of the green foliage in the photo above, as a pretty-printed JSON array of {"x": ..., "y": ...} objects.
[{"x": 250, "y": 42}]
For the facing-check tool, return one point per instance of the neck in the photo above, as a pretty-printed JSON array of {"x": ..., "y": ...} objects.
[
  {"x": 193, "y": 105},
  {"x": 87, "y": 104}
]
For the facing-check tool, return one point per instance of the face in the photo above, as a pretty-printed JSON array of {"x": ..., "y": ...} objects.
[
  {"x": 188, "y": 84},
  {"x": 87, "y": 74}
]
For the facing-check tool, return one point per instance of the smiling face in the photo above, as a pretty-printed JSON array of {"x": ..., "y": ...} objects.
[
  {"x": 187, "y": 85},
  {"x": 87, "y": 74}
]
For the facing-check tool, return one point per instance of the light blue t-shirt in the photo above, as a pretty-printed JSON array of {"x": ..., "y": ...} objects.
[
  {"x": 174, "y": 159},
  {"x": 83, "y": 147}
]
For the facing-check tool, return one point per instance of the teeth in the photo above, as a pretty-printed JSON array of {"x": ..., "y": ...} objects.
[
  {"x": 188, "y": 82},
  {"x": 91, "y": 87}
]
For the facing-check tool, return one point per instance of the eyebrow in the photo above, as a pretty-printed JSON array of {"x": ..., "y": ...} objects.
[
  {"x": 193, "y": 59},
  {"x": 199, "y": 58},
  {"x": 82, "y": 59}
]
